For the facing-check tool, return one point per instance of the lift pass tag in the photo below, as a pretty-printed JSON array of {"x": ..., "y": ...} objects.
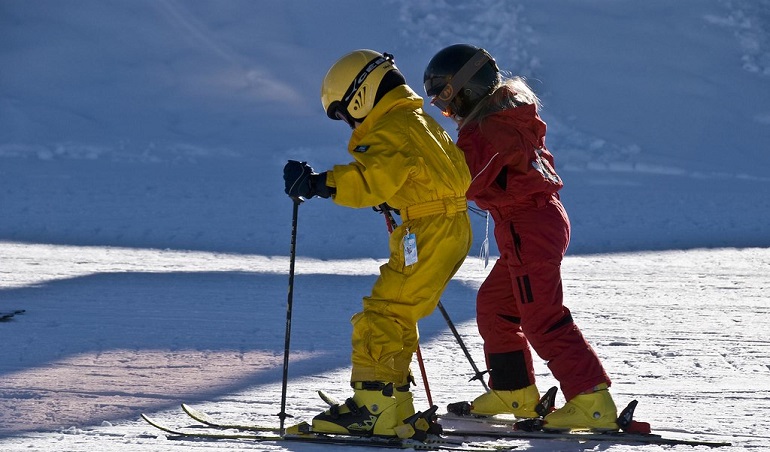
[{"x": 410, "y": 248}]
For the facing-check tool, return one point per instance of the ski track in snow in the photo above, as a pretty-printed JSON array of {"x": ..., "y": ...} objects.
[{"x": 112, "y": 332}]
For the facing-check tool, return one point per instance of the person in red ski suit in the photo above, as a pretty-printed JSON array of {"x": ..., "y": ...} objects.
[{"x": 520, "y": 304}]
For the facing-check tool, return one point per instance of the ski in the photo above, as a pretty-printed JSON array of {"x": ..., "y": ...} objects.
[
  {"x": 316, "y": 438},
  {"x": 500, "y": 427},
  {"x": 209, "y": 421},
  {"x": 7, "y": 315},
  {"x": 302, "y": 427},
  {"x": 583, "y": 436},
  {"x": 211, "y": 435},
  {"x": 497, "y": 421},
  {"x": 631, "y": 431}
]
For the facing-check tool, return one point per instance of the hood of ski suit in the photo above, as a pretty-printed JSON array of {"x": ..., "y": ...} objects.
[
  {"x": 402, "y": 156},
  {"x": 507, "y": 158}
]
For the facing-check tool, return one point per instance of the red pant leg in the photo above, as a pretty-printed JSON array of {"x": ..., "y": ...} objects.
[
  {"x": 506, "y": 350},
  {"x": 535, "y": 241},
  {"x": 550, "y": 329}
]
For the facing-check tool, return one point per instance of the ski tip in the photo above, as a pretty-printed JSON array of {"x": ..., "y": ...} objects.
[
  {"x": 331, "y": 401},
  {"x": 152, "y": 422},
  {"x": 198, "y": 415}
]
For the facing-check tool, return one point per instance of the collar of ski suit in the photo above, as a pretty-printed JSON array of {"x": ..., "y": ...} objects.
[{"x": 400, "y": 96}]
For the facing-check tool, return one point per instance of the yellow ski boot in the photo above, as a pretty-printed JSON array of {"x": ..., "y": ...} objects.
[
  {"x": 595, "y": 411},
  {"x": 519, "y": 402},
  {"x": 404, "y": 403},
  {"x": 371, "y": 411},
  {"x": 413, "y": 424}
]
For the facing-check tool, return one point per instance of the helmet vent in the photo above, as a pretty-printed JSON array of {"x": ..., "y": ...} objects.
[{"x": 358, "y": 100}]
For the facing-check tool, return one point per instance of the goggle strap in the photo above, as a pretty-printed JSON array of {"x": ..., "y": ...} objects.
[
  {"x": 468, "y": 70},
  {"x": 361, "y": 77}
]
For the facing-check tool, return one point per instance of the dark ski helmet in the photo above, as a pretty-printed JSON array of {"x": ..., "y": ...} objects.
[{"x": 458, "y": 77}]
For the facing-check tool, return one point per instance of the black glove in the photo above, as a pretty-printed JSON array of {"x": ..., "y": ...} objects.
[
  {"x": 296, "y": 175},
  {"x": 301, "y": 181}
]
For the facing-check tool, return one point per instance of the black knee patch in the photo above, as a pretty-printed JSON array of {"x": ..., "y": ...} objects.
[
  {"x": 566, "y": 320},
  {"x": 508, "y": 371}
]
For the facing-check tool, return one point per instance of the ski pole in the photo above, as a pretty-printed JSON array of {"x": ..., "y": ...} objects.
[
  {"x": 392, "y": 225},
  {"x": 479, "y": 375},
  {"x": 290, "y": 301},
  {"x": 424, "y": 374}
]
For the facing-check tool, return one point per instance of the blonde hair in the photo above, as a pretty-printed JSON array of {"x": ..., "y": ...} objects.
[{"x": 509, "y": 92}]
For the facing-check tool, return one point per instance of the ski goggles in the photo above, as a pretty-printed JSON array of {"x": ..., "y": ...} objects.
[{"x": 443, "y": 100}]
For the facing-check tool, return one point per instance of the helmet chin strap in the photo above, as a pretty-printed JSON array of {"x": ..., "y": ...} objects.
[{"x": 469, "y": 69}]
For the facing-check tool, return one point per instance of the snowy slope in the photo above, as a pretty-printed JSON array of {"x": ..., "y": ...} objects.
[
  {"x": 112, "y": 332},
  {"x": 144, "y": 228}
]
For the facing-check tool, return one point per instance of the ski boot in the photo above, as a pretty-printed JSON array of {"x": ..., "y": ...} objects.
[
  {"x": 370, "y": 412},
  {"x": 519, "y": 402},
  {"x": 414, "y": 424},
  {"x": 404, "y": 402},
  {"x": 420, "y": 425},
  {"x": 595, "y": 411}
]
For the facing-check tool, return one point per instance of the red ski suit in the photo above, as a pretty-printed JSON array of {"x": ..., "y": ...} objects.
[{"x": 520, "y": 302}]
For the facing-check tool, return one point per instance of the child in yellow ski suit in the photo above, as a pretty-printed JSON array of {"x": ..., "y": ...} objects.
[{"x": 402, "y": 157}]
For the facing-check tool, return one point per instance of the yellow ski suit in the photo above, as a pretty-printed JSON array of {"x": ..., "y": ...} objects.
[{"x": 403, "y": 157}]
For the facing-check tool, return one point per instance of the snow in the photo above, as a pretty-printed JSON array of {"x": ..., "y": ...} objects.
[{"x": 144, "y": 228}]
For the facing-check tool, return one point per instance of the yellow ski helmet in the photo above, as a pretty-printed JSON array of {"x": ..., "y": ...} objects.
[{"x": 355, "y": 83}]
